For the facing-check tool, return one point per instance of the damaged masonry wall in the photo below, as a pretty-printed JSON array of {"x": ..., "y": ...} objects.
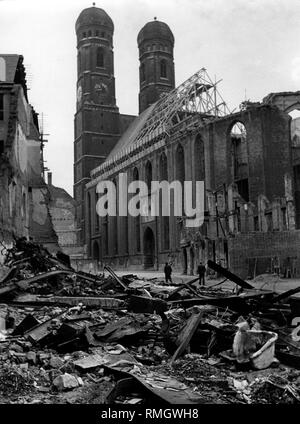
[{"x": 24, "y": 195}]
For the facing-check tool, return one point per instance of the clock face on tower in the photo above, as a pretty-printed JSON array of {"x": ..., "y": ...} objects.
[
  {"x": 101, "y": 87},
  {"x": 79, "y": 93}
]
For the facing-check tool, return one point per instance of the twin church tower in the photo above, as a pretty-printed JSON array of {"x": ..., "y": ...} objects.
[{"x": 98, "y": 122}]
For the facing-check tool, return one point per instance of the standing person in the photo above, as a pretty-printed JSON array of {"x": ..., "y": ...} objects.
[
  {"x": 168, "y": 272},
  {"x": 201, "y": 272}
]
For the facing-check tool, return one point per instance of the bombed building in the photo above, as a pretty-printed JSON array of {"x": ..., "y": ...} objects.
[
  {"x": 24, "y": 195},
  {"x": 248, "y": 161}
]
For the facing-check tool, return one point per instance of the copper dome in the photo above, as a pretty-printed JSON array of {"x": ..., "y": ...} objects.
[
  {"x": 94, "y": 16},
  {"x": 155, "y": 30}
]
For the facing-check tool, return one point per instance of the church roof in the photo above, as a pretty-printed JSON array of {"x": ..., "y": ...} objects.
[
  {"x": 128, "y": 138},
  {"x": 94, "y": 16},
  {"x": 132, "y": 131},
  {"x": 155, "y": 30}
]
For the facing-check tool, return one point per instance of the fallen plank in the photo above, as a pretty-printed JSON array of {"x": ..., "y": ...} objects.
[
  {"x": 8, "y": 275},
  {"x": 285, "y": 294},
  {"x": 181, "y": 287},
  {"x": 7, "y": 289},
  {"x": 114, "y": 275},
  {"x": 101, "y": 302},
  {"x": 229, "y": 275},
  {"x": 187, "y": 334},
  {"x": 234, "y": 302},
  {"x": 25, "y": 284}
]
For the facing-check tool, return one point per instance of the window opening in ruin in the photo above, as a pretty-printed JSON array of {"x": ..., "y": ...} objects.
[
  {"x": 165, "y": 225},
  {"x": 148, "y": 173},
  {"x": 1, "y": 107},
  {"x": 163, "y": 69},
  {"x": 1, "y": 147},
  {"x": 137, "y": 218},
  {"x": 269, "y": 221},
  {"x": 180, "y": 171},
  {"x": 199, "y": 163},
  {"x": 297, "y": 193},
  {"x": 105, "y": 228},
  {"x": 97, "y": 218},
  {"x": 143, "y": 73},
  {"x": 96, "y": 251},
  {"x": 284, "y": 222},
  {"x": 239, "y": 152},
  {"x": 295, "y": 127},
  {"x": 100, "y": 58}
]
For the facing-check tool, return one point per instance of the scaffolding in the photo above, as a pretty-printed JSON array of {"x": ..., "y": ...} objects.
[
  {"x": 196, "y": 98},
  {"x": 195, "y": 102}
]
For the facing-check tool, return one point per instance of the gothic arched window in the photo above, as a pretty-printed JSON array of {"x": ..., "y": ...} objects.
[
  {"x": 163, "y": 69},
  {"x": 143, "y": 73},
  {"x": 100, "y": 57}
]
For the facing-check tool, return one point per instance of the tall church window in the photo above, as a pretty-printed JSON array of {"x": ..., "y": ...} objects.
[
  {"x": 89, "y": 33},
  {"x": 97, "y": 33},
  {"x": 137, "y": 219},
  {"x": 148, "y": 172},
  {"x": 79, "y": 62},
  {"x": 100, "y": 57},
  {"x": 1, "y": 107},
  {"x": 84, "y": 35},
  {"x": 165, "y": 228},
  {"x": 143, "y": 72},
  {"x": 180, "y": 170},
  {"x": 239, "y": 161},
  {"x": 163, "y": 69}
]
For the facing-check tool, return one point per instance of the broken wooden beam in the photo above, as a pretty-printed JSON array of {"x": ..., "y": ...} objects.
[
  {"x": 25, "y": 284},
  {"x": 114, "y": 275},
  {"x": 183, "y": 286},
  {"x": 229, "y": 275},
  {"x": 186, "y": 335}
]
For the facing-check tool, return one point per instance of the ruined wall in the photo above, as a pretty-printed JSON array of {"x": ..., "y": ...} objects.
[
  {"x": 262, "y": 245},
  {"x": 62, "y": 211},
  {"x": 24, "y": 196}
]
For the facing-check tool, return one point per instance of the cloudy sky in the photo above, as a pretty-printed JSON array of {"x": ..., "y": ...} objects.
[{"x": 253, "y": 46}]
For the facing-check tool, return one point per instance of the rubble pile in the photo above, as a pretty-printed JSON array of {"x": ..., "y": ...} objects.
[{"x": 68, "y": 336}]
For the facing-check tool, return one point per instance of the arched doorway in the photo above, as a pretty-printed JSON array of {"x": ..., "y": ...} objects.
[
  {"x": 192, "y": 260},
  {"x": 149, "y": 248},
  {"x": 184, "y": 258},
  {"x": 96, "y": 251}
]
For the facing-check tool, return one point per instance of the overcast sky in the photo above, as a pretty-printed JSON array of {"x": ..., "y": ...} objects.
[{"x": 253, "y": 46}]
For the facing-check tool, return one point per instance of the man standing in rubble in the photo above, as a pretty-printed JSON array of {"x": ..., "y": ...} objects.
[
  {"x": 201, "y": 272},
  {"x": 168, "y": 272}
]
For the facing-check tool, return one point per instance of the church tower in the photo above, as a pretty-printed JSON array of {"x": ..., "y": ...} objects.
[
  {"x": 156, "y": 44},
  {"x": 97, "y": 119}
]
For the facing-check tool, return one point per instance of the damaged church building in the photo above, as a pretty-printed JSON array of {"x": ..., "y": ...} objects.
[
  {"x": 24, "y": 196},
  {"x": 248, "y": 160}
]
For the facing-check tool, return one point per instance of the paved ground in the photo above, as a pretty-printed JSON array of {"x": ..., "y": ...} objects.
[{"x": 266, "y": 281}]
